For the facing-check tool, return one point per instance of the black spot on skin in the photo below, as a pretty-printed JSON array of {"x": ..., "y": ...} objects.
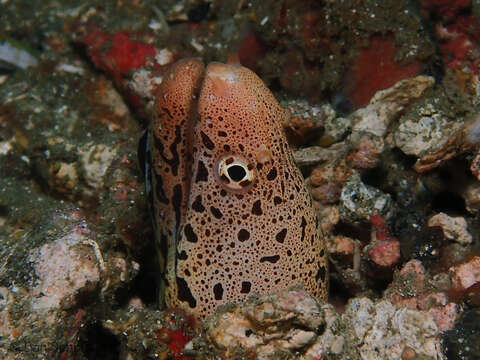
[
  {"x": 222, "y": 134},
  {"x": 259, "y": 166},
  {"x": 202, "y": 172},
  {"x": 277, "y": 200},
  {"x": 273, "y": 259},
  {"x": 184, "y": 293},
  {"x": 197, "y": 204},
  {"x": 248, "y": 332},
  {"x": 272, "y": 174},
  {"x": 219, "y": 248},
  {"x": 280, "y": 237},
  {"x": 182, "y": 256},
  {"x": 289, "y": 252},
  {"x": 174, "y": 161},
  {"x": 303, "y": 226},
  {"x": 206, "y": 141},
  {"x": 245, "y": 183},
  {"x": 177, "y": 202},
  {"x": 218, "y": 291},
  {"x": 216, "y": 212},
  {"x": 226, "y": 148},
  {"x": 167, "y": 111},
  {"x": 243, "y": 235},
  {"x": 190, "y": 234},
  {"x": 161, "y": 196},
  {"x": 257, "y": 208},
  {"x": 322, "y": 253},
  {"x": 246, "y": 286},
  {"x": 223, "y": 193},
  {"x": 321, "y": 273}
]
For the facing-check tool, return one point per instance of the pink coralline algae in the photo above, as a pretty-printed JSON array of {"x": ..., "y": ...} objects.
[
  {"x": 117, "y": 53},
  {"x": 459, "y": 42},
  {"x": 135, "y": 65},
  {"x": 457, "y": 31},
  {"x": 385, "y": 248},
  {"x": 375, "y": 68}
]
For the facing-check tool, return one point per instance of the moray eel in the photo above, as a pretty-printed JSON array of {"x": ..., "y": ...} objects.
[{"x": 232, "y": 214}]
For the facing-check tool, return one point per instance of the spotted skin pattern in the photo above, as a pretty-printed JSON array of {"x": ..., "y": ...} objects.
[{"x": 232, "y": 214}]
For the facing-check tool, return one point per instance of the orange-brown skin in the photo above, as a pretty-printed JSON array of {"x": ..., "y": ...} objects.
[{"x": 232, "y": 214}]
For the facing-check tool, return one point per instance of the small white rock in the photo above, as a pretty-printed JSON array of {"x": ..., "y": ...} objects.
[{"x": 454, "y": 228}]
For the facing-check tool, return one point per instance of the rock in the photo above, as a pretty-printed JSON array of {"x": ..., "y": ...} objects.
[
  {"x": 415, "y": 271},
  {"x": 282, "y": 323},
  {"x": 471, "y": 194},
  {"x": 327, "y": 181},
  {"x": 64, "y": 177},
  {"x": 410, "y": 329},
  {"x": 471, "y": 132},
  {"x": 386, "y": 105},
  {"x": 337, "y": 128},
  {"x": 358, "y": 201},
  {"x": 445, "y": 316},
  {"x": 316, "y": 154},
  {"x": 474, "y": 166},
  {"x": 454, "y": 228},
  {"x": 95, "y": 160},
  {"x": 64, "y": 268},
  {"x": 451, "y": 138},
  {"x": 304, "y": 122},
  {"x": 465, "y": 275},
  {"x": 413, "y": 288},
  {"x": 329, "y": 216},
  {"x": 418, "y": 136},
  {"x": 341, "y": 245},
  {"x": 291, "y": 325},
  {"x": 47, "y": 276},
  {"x": 327, "y": 193},
  {"x": 385, "y": 253},
  {"x": 55, "y": 274},
  {"x": 366, "y": 152}
]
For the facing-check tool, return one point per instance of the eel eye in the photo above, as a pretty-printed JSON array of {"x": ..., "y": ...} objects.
[{"x": 235, "y": 173}]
